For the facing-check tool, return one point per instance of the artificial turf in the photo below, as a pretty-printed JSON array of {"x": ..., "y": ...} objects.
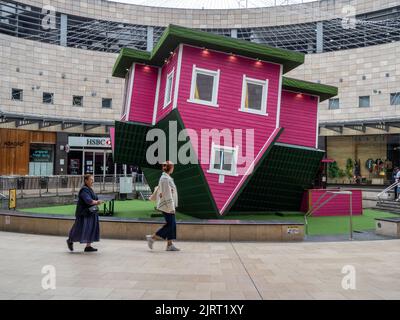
[{"x": 316, "y": 225}]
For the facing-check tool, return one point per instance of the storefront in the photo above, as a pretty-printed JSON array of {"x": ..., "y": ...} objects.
[
  {"x": 363, "y": 159},
  {"x": 26, "y": 152}
]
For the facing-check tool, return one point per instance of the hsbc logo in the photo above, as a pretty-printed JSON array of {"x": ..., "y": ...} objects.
[
  {"x": 93, "y": 142},
  {"x": 97, "y": 142}
]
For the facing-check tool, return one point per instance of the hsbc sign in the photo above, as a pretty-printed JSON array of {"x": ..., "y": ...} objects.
[{"x": 91, "y": 142}]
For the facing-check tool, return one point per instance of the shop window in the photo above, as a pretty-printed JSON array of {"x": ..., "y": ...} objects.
[
  {"x": 16, "y": 94},
  {"x": 204, "y": 87},
  {"x": 334, "y": 104},
  {"x": 364, "y": 101},
  {"x": 48, "y": 98},
  {"x": 395, "y": 99},
  {"x": 41, "y": 160},
  {"x": 168, "y": 89},
  {"x": 106, "y": 103},
  {"x": 254, "y": 96},
  {"x": 223, "y": 160},
  {"x": 77, "y": 101}
]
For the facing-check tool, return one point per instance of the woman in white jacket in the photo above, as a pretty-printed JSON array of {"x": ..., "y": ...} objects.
[{"x": 167, "y": 201}]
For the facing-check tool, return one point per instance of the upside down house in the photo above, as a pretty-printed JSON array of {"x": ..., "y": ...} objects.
[{"x": 250, "y": 133}]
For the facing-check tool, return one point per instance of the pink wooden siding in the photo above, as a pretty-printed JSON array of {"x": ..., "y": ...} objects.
[
  {"x": 166, "y": 69},
  {"x": 299, "y": 118},
  {"x": 143, "y": 94},
  {"x": 227, "y": 115},
  {"x": 338, "y": 206},
  {"x": 112, "y": 136}
]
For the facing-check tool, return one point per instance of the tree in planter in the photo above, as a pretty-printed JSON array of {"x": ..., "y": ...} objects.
[
  {"x": 333, "y": 170},
  {"x": 341, "y": 173},
  {"x": 349, "y": 169}
]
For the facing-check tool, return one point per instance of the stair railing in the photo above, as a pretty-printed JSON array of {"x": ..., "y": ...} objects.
[{"x": 391, "y": 187}]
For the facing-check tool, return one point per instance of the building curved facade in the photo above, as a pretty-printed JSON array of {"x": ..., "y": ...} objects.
[{"x": 57, "y": 58}]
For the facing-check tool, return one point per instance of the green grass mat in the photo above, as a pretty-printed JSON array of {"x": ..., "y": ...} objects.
[{"x": 317, "y": 225}]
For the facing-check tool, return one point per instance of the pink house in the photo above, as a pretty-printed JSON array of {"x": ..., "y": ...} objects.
[{"x": 243, "y": 136}]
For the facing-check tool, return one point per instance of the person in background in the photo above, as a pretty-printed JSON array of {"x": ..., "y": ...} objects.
[
  {"x": 167, "y": 200},
  {"x": 86, "y": 228},
  {"x": 396, "y": 175}
]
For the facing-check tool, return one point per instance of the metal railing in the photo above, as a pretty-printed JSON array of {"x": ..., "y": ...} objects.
[
  {"x": 391, "y": 187},
  {"x": 41, "y": 186},
  {"x": 318, "y": 205}
]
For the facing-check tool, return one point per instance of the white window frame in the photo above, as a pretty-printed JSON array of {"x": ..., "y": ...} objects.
[
  {"x": 128, "y": 93},
  {"x": 170, "y": 77},
  {"x": 233, "y": 171},
  {"x": 264, "y": 97},
  {"x": 213, "y": 73}
]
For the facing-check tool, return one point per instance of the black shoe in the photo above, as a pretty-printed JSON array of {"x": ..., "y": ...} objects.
[
  {"x": 70, "y": 245},
  {"x": 90, "y": 249}
]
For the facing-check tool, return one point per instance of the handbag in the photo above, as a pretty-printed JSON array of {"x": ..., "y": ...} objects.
[
  {"x": 153, "y": 196},
  {"x": 91, "y": 210}
]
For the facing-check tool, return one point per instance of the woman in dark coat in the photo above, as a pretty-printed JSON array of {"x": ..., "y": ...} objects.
[{"x": 86, "y": 228}]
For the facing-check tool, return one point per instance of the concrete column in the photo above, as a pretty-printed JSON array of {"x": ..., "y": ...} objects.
[
  {"x": 320, "y": 37},
  {"x": 150, "y": 38},
  {"x": 234, "y": 33},
  {"x": 63, "y": 30}
]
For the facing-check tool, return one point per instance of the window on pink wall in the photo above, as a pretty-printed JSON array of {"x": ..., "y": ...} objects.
[
  {"x": 168, "y": 88},
  {"x": 223, "y": 160},
  {"x": 204, "y": 86},
  {"x": 254, "y": 96}
]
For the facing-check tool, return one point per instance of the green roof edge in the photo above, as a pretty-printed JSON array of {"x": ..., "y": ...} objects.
[
  {"x": 174, "y": 35},
  {"x": 322, "y": 90}
]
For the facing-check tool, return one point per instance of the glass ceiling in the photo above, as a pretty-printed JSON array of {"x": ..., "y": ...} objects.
[{"x": 213, "y": 4}]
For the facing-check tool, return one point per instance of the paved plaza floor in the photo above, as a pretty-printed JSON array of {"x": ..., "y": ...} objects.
[{"x": 125, "y": 269}]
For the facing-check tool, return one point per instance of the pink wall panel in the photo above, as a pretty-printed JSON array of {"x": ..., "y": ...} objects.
[
  {"x": 299, "y": 119},
  {"x": 227, "y": 115},
  {"x": 338, "y": 206},
  {"x": 166, "y": 69},
  {"x": 143, "y": 93}
]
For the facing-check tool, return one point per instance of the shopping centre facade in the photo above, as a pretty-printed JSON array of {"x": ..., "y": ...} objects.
[{"x": 58, "y": 99}]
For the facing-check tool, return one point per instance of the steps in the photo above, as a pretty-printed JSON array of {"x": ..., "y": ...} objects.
[{"x": 388, "y": 205}]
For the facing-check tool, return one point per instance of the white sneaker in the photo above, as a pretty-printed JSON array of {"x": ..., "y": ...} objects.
[
  {"x": 172, "y": 248},
  {"x": 150, "y": 241}
]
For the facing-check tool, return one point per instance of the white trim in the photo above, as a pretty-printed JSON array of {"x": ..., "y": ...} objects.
[
  {"x": 216, "y": 75},
  {"x": 279, "y": 102},
  {"x": 233, "y": 171},
  {"x": 130, "y": 88},
  {"x": 317, "y": 125},
  {"x": 171, "y": 92},
  {"x": 178, "y": 76},
  {"x": 264, "y": 97},
  {"x": 157, "y": 97}
]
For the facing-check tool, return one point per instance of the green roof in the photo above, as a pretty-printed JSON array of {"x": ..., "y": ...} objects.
[
  {"x": 175, "y": 35},
  {"x": 322, "y": 90}
]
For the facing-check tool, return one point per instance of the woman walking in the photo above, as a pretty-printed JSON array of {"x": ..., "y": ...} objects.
[
  {"x": 86, "y": 228},
  {"x": 167, "y": 200}
]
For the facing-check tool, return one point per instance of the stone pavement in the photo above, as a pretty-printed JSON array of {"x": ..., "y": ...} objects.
[{"x": 204, "y": 270}]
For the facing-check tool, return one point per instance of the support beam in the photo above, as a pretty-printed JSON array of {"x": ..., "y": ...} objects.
[
  {"x": 360, "y": 127},
  {"x": 46, "y": 124},
  {"x": 68, "y": 125},
  {"x": 379, "y": 126},
  {"x": 24, "y": 122},
  {"x": 338, "y": 129},
  {"x": 87, "y": 127}
]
